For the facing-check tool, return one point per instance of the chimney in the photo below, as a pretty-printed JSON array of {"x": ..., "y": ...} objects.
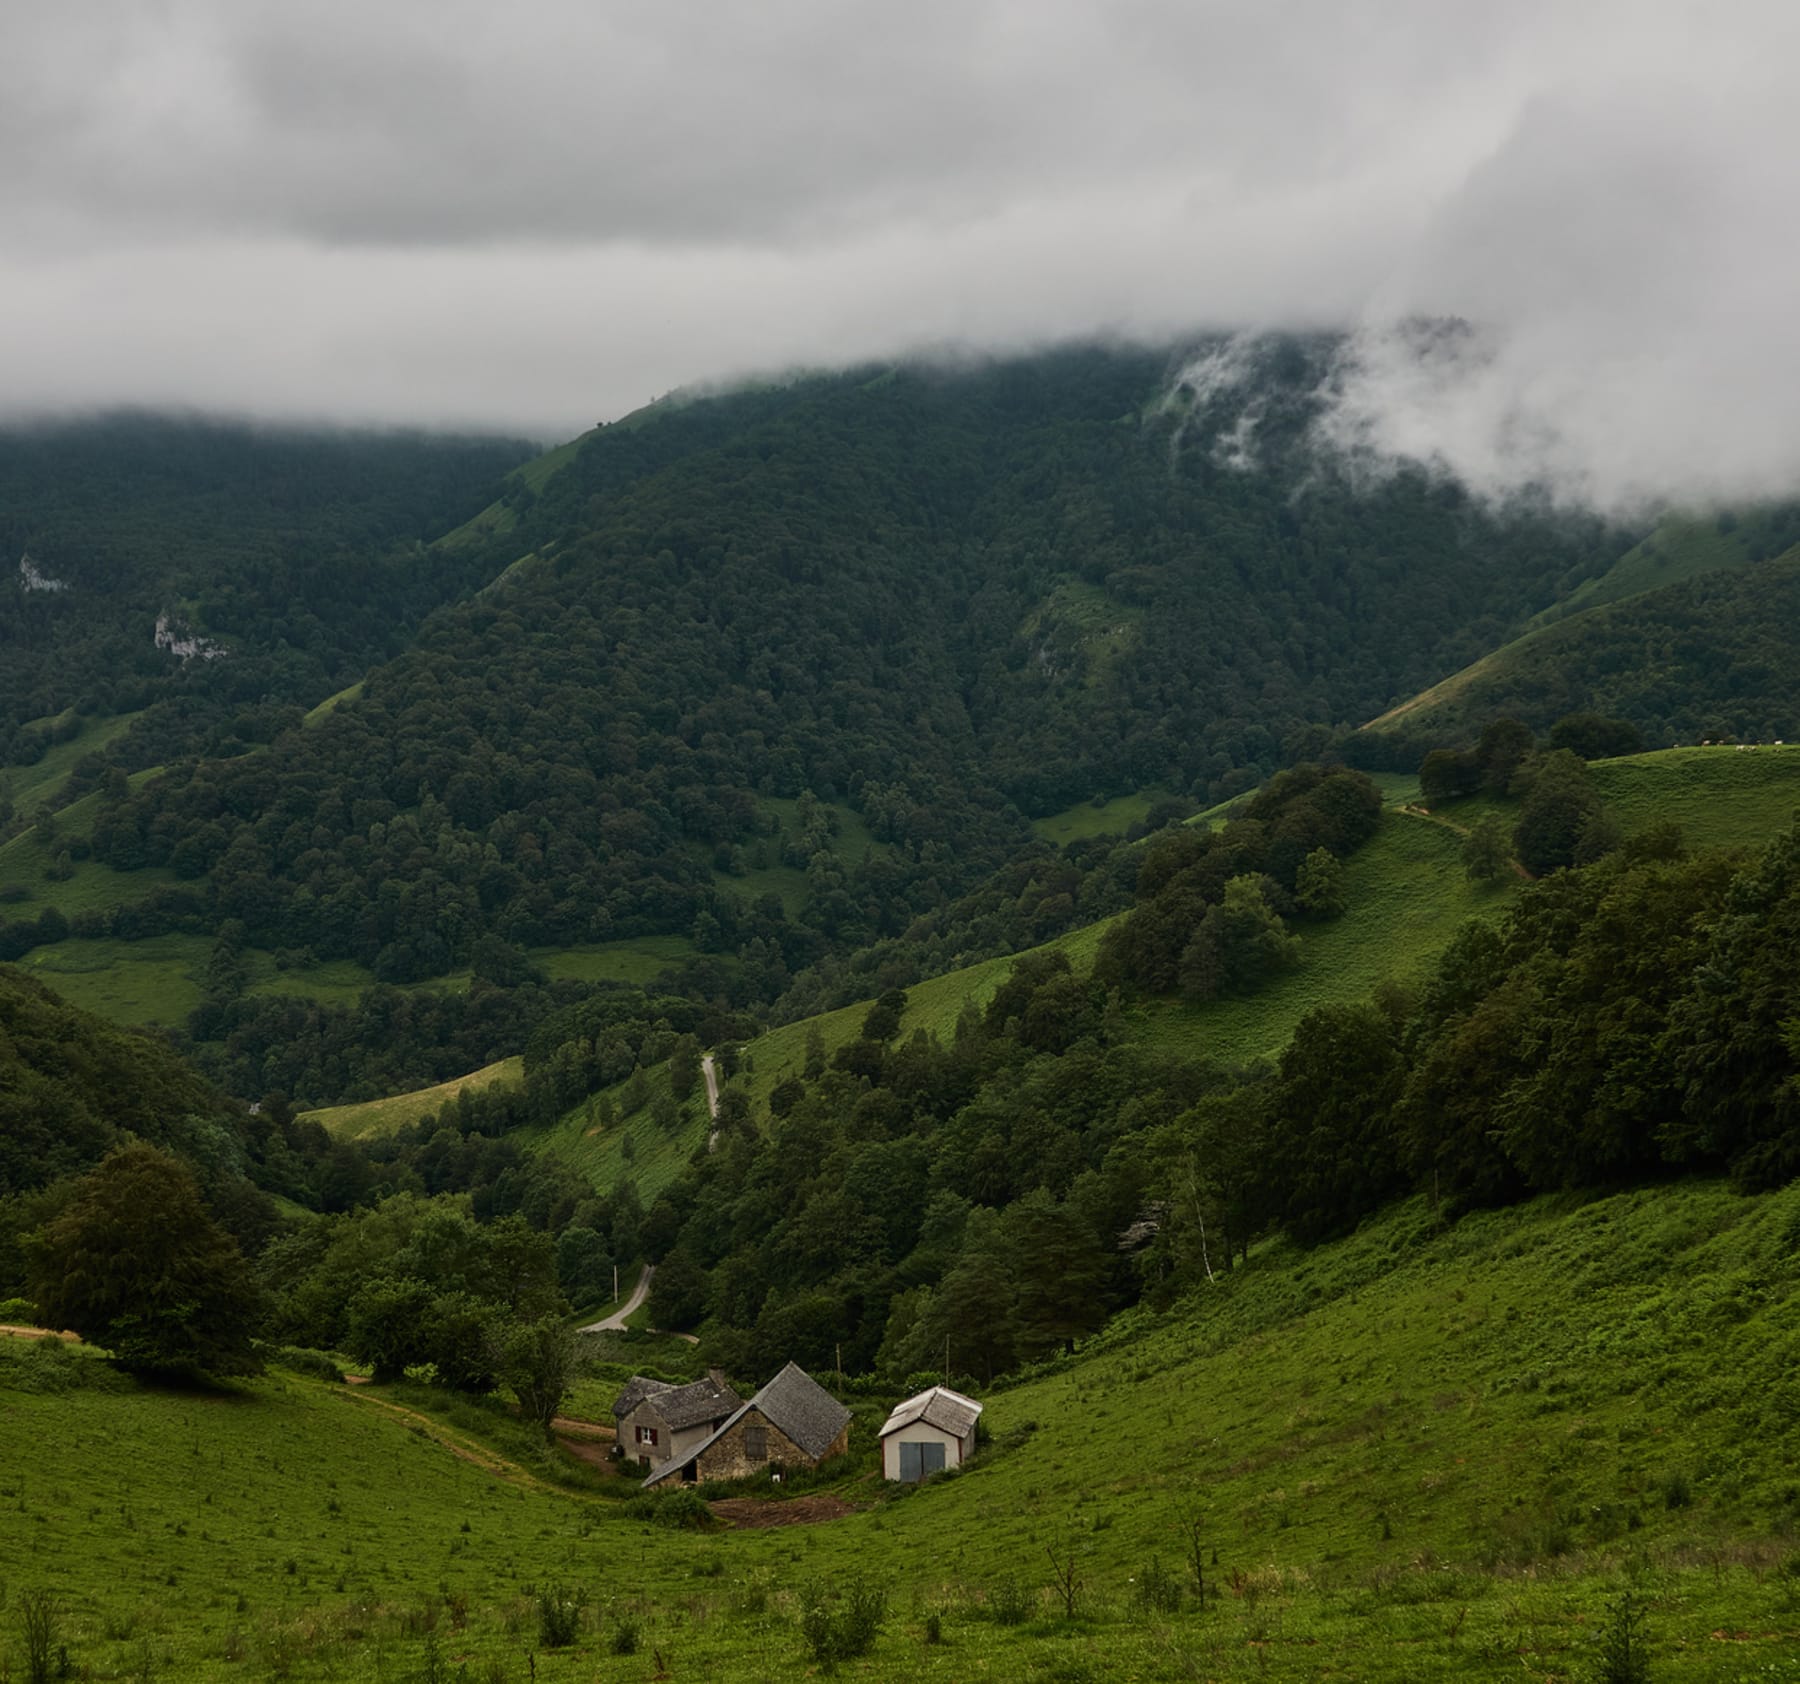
[{"x": 717, "y": 1376}]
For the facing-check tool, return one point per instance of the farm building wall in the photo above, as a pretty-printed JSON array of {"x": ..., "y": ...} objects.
[
  {"x": 729, "y": 1457},
  {"x": 921, "y": 1432}
]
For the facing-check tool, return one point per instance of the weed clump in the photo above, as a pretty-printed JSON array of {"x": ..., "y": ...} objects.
[
  {"x": 842, "y": 1632},
  {"x": 40, "y": 1624},
  {"x": 1010, "y": 1603},
  {"x": 1156, "y": 1590},
  {"x": 559, "y": 1617}
]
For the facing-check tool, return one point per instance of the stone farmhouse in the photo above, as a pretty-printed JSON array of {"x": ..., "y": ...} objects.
[
  {"x": 658, "y": 1422},
  {"x": 793, "y": 1422},
  {"x": 928, "y": 1433}
]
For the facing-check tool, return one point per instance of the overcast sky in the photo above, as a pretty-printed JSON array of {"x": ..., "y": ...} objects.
[{"x": 537, "y": 215}]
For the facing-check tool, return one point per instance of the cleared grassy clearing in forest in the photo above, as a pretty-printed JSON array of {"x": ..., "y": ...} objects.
[
  {"x": 1680, "y": 548},
  {"x": 383, "y": 1116},
  {"x": 1088, "y": 818},
  {"x": 137, "y": 983},
  {"x": 765, "y": 873},
  {"x": 635, "y": 961},
  {"x": 1425, "y": 1451},
  {"x": 31, "y": 785},
  {"x": 1720, "y": 797},
  {"x": 634, "y": 1148},
  {"x": 1405, "y": 894}
]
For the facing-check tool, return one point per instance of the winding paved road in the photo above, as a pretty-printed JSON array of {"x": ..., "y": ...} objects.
[
  {"x": 615, "y": 1323},
  {"x": 710, "y": 1072}
]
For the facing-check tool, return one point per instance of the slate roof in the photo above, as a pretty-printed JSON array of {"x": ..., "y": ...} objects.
[
  {"x": 948, "y": 1411},
  {"x": 637, "y": 1388},
  {"x": 794, "y": 1402},
  {"x": 689, "y": 1405}
]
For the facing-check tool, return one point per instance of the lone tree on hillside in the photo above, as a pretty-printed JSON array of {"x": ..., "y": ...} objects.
[{"x": 136, "y": 1264}]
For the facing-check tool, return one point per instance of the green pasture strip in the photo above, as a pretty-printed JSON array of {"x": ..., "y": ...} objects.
[
  {"x": 1405, "y": 894},
  {"x": 32, "y": 785},
  {"x": 383, "y": 1116},
  {"x": 1088, "y": 818},
  {"x": 137, "y": 983},
  {"x": 636, "y": 961}
]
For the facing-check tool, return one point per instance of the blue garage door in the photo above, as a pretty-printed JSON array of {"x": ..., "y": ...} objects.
[{"x": 918, "y": 1460}]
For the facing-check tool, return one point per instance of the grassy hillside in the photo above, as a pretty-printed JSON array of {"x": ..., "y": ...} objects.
[
  {"x": 1680, "y": 548},
  {"x": 383, "y": 1116},
  {"x": 1096, "y": 818},
  {"x": 35, "y": 784},
  {"x": 1418, "y": 1453},
  {"x": 1407, "y": 894},
  {"x": 1721, "y": 797}
]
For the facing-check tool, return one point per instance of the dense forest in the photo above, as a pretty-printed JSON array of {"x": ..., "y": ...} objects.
[
  {"x": 944, "y": 601},
  {"x": 297, "y": 554}
]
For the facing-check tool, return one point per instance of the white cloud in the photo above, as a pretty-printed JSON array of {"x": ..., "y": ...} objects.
[{"x": 538, "y": 215}]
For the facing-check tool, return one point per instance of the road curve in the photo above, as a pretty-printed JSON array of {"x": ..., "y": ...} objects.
[{"x": 615, "y": 1323}]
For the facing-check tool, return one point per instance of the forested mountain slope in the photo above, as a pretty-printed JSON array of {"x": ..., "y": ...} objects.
[
  {"x": 292, "y": 551},
  {"x": 1705, "y": 658},
  {"x": 948, "y": 600}
]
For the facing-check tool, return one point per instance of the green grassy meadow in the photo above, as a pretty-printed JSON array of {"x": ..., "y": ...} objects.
[
  {"x": 383, "y": 1116},
  {"x": 1680, "y": 548},
  {"x": 1088, "y": 818},
  {"x": 137, "y": 983},
  {"x": 1721, "y": 797},
  {"x": 634, "y": 1148},
  {"x": 764, "y": 874},
  {"x": 32, "y": 785},
  {"x": 637, "y": 961},
  {"x": 343, "y": 698},
  {"x": 1422, "y": 1452},
  {"x": 1406, "y": 896}
]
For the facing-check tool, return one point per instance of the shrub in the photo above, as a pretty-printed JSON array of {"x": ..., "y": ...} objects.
[
  {"x": 680, "y": 1510},
  {"x": 1156, "y": 1589},
  {"x": 1624, "y": 1655},
  {"x": 559, "y": 1617},
  {"x": 625, "y": 1638},
  {"x": 40, "y": 1623},
  {"x": 843, "y": 1632}
]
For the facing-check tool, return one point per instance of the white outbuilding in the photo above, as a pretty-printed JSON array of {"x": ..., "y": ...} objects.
[{"x": 928, "y": 1433}]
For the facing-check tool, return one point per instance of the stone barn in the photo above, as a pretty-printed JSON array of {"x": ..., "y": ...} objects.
[
  {"x": 928, "y": 1433},
  {"x": 657, "y": 1421},
  {"x": 793, "y": 1422}
]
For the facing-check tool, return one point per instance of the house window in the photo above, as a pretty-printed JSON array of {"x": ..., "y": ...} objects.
[
  {"x": 756, "y": 1443},
  {"x": 646, "y": 1435}
]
